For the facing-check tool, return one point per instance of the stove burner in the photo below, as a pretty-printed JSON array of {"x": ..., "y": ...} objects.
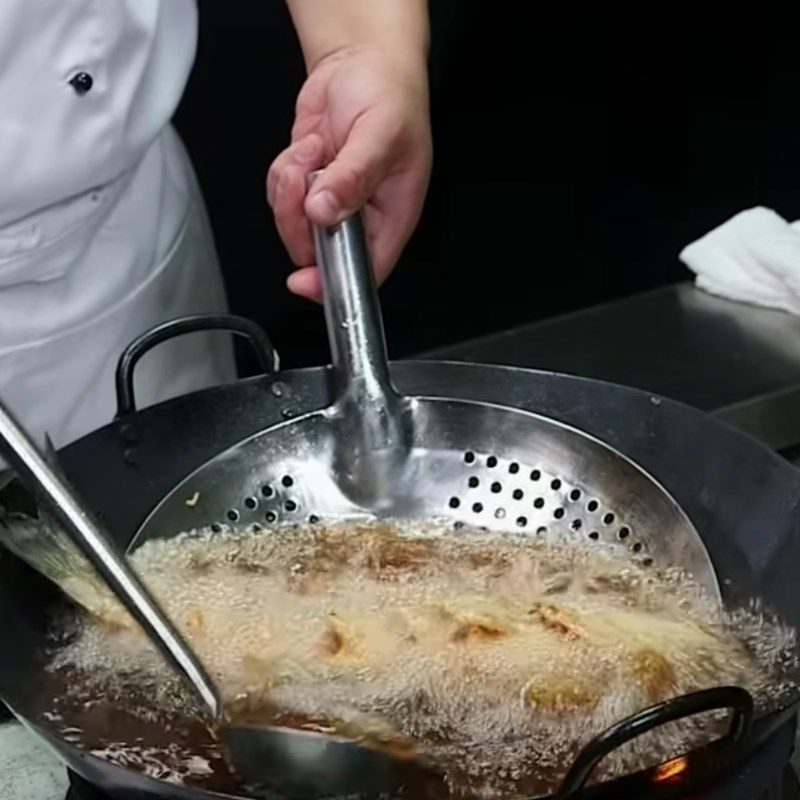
[{"x": 786, "y": 789}]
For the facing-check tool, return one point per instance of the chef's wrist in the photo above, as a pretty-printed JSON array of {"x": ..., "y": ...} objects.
[
  {"x": 331, "y": 29},
  {"x": 408, "y": 60},
  {"x": 401, "y": 68}
]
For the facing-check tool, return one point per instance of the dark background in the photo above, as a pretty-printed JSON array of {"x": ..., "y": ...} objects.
[{"x": 577, "y": 150}]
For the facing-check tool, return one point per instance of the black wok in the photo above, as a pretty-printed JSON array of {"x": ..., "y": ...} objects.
[{"x": 742, "y": 498}]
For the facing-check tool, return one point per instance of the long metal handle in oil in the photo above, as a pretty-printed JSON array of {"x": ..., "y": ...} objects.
[
  {"x": 87, "y": 534},
  {"x": 373, "y": 420}
]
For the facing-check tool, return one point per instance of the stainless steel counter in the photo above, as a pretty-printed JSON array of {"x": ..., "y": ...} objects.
[{"x": 738, "y": 362}]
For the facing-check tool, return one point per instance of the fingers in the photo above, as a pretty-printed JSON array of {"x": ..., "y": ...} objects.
[
  {"x": 307, "y": 152},
  {"x": 286, "y": 191},
  {"x": 368, "y": 173},
  {"x": 351, "y": 179},
  {"x": 290, "y": 218},
  {"x": 391, "y": 220},
  {"x": 306, "y": 282}
]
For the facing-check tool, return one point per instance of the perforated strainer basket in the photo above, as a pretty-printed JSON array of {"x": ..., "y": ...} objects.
[{"x": 374, "y": 453}]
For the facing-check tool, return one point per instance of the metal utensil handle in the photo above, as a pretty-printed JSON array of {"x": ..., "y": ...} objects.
[
  {"x": 262, "y": 347},
  {"x": 352, "y": 313},
  {"x": 87, "y": 535},
  {"x": 733, "y": 697}
]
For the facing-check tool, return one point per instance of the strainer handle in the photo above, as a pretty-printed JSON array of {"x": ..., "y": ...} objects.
[
  {"x": 352, "y": 312},
  {"x": 721, "y": 697},
  {"x": 373, "y": 413}
]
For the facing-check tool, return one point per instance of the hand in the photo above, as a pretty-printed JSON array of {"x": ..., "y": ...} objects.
[{"x": 364, "y": 117}]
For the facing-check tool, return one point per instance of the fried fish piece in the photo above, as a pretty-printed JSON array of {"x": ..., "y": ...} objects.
[{"x": 560, "y": 694}]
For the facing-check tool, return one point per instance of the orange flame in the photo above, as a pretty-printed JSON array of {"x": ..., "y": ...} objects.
[{"x": 670, "y": 770}]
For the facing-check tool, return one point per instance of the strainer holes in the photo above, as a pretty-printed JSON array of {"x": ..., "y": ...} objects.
[
  {"x": 496, "y": 487},
  {"x": 538, "y": 502},
  {"x": 458, "y": 525},
  {"x": 216, "y": 528},
  {"x": 287, "y": 481},
  {"x": 290, "y": 505},
  {"x": 255, "y": 528},
  {"x": 491, "y": 462},
  {"x": 592, "y": 506},
  {"x": 647, "y": 562},
  {"x": 513, "y": 468},
  {"x": 267, "y": 491},
  {"x": 233, "y": 515},
  {"x": 594, "y": 535},
  {"x": 517, "y": 494},
  {"x": 469, "y": 457},
  {"x": 555, "y": 484},
  {"x": 576, "y": 525},
  {"x": 473, "y": 482},
  {"x": 477, "y": 507},
  {"x": 624, "y": 532},
  {"x": 558, "y": 513},
  {"x": 313, "y": 519},
  {"x": 250, "y": 502},
  {"x": 499, "y": 513},
  {"x": 608, "y": 518},
  {"x": 270, "y": 516},
  {"x": 522, "y": 521},
  {"x": 541, "y": 529},
  {"x": 575, "y": 494},
  {"x": 454, "y": 502},
  {"x": 637, "y": 547},
  {"x": 535, "y": 475}
]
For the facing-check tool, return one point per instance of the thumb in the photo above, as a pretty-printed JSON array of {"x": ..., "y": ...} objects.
[{"x": 351, "y": 179}]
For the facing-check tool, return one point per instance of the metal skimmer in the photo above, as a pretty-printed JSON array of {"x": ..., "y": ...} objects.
[{"x": 376, "y": 453}]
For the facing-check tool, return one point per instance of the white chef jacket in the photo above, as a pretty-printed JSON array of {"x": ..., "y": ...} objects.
[{"x": 103, "y": 233}]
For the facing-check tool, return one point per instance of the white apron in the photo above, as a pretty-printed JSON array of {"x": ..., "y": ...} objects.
[{"x": 103, "y": 233}]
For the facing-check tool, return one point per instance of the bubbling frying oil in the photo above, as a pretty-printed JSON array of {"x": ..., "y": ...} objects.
[{"x": 496, "y": 655}]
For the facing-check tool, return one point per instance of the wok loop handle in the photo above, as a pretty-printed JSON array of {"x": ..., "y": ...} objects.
[
  {"x": 722, "y": 697},
  {"x": 262, "y": 348}
]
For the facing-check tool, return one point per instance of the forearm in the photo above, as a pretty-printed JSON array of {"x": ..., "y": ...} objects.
[{"x": 398, "y": 27}]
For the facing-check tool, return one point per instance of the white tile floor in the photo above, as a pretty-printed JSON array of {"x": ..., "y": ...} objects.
[{"x": 28, "y": 770}]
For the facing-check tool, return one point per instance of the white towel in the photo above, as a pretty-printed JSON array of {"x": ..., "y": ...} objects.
[{"x": 752, "y": 258}]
